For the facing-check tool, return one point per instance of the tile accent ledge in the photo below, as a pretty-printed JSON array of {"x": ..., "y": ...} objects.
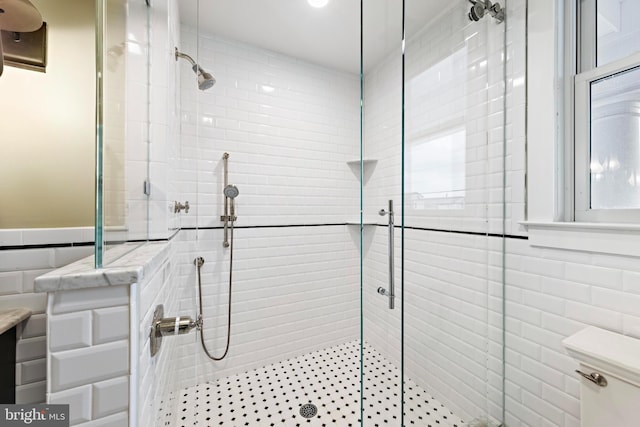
[
  {"x": 10, "y": 318},
  {"x": 43, "y": 236},
  {"x": 619, "y": 239},
  {"x": 130, "y": 268}
]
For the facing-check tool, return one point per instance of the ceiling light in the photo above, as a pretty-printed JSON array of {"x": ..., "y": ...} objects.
[{"x": 318, "y": 3}]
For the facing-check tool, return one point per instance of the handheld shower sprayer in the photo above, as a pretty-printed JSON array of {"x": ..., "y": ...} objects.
[{"x": 230, "y": 192}]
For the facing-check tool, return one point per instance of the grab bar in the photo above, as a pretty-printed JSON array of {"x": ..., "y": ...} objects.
[{"x": 382, "y": 291}]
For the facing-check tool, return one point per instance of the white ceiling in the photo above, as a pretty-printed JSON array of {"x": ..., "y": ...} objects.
[{"x": 329, "y": 36}]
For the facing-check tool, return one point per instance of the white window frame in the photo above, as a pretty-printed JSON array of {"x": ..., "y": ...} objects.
[
  {"x": 583, "y": 82},
  {"x": 553, "y": 223},
  {"x": 582, "y": 56}
]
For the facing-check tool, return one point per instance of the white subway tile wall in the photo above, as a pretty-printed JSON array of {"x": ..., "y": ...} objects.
[
  {"x": 110, "y": 397},
  {"x": 79, "y": 401},
  {"x": 295, "y": 290},
  {"x": 290, "y": 127},
  {"x": 552, "y": 294},
  {"x": 117, "y": 420},
  {"x": 19, "y": 267},
  {"x": 156, "y": 375},
  {"x": 89, "y": 364},
  {"x": 70, "y": 330},
  {"x": 91, "y": 298},
  {"x": 110, "y": 324}
]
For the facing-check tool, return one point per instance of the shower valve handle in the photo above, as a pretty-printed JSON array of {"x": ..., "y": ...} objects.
[
  {"x": 177, "y": 207},
  {"x": 175, "y": 325},
  {"x": 166, "y": 326}
]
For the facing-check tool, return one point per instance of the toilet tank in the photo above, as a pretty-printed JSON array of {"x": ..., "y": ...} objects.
[{"x": 609, "y": 372}]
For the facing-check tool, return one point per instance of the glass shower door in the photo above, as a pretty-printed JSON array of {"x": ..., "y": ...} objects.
[
  {"x": 122, "y": 155},
  {"x": 381, "y": 232},
  {"x": 434, "y": 144}
]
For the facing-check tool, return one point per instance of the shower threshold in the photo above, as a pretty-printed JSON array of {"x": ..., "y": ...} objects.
[{"x": 329, "y": 379}]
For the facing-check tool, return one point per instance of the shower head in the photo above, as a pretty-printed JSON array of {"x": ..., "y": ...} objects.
[
  {"x": 481, "y": 7},
  {"x": 477, "y": 12},
  {"x": 231, "y": 191},
  {"x": 205, "y": 80}
]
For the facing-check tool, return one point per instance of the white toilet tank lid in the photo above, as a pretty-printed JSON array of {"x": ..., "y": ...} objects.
[{"x": 614, "y": 353}]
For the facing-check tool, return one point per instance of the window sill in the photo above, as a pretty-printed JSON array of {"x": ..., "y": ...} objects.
[{"x": 619, "y": 239}]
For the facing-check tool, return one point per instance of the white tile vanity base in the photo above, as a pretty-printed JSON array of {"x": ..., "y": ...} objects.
[
  {"x": 88, "y": 362},
  {"x": 329, "y": 378}
]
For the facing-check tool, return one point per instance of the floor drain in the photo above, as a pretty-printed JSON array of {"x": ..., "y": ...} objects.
[{"x": 308, "y": 410}]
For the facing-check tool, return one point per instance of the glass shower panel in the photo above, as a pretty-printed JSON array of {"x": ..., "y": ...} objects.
[
  {"x": 170, "y": 153},
  {"x": 312, "y": 131},
  {"x": 122, "y": 126},
  {"x": 453, "y": 208},
  {"x": 381, "y": 232}
]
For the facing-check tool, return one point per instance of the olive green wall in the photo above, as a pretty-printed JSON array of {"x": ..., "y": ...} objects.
[{"x": 47, "y": 126}]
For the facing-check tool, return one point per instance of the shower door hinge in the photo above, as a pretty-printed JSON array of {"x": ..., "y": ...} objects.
[{"x": 146, "y": 188}]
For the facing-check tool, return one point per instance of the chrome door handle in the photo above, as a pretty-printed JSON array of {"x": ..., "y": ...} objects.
[
  {"x": 595, "y": 378},
  {"x": 390, "y": 293}
]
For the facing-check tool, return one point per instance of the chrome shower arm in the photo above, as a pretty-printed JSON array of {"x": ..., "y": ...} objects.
[{"x": 185, "y": 56}]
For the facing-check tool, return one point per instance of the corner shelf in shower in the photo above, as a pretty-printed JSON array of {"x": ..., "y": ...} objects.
[
  {"x": 368, "y": 165},
  {"x": 365, "y": 221}
]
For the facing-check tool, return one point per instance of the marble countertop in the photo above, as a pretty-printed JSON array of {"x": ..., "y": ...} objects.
[
  {"x": 130, "y": 268},
  {"x": 10, "y": 318}
]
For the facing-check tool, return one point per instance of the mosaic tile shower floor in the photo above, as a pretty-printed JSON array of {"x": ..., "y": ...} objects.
[{"x": 329, "y": 378}]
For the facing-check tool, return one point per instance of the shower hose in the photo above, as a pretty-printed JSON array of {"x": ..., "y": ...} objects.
[{"x": 199, "y": 262}]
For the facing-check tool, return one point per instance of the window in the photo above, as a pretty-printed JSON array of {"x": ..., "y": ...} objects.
[
  {"x": 436, "y": 135},
  {"x": 436, "y": 167},
  {"x": 607, "y": 111}
]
